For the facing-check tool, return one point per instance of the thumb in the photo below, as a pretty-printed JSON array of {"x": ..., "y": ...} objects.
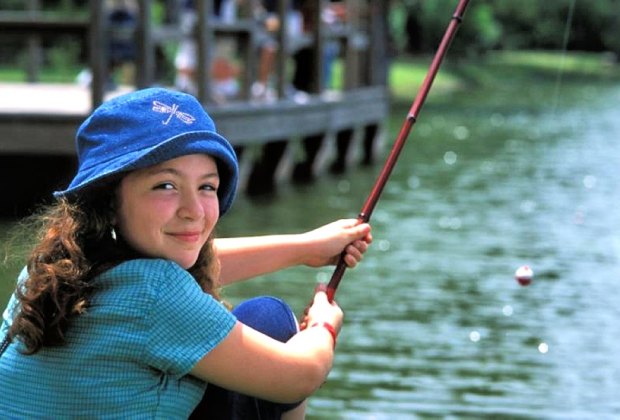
[
  {"x": 320, "y": 293},
  {"x": 320, "y": 287}
]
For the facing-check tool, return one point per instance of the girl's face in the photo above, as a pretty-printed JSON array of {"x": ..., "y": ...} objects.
[{"x": 169, "y": 210}]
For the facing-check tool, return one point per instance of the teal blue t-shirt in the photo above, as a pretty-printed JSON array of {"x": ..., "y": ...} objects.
[{"x": 127, "y": 356}]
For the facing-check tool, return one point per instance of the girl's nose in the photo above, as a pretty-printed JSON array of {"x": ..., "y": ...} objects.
[{"x": 190, "y": 207}]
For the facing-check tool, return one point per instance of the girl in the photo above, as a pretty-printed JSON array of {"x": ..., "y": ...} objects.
[{"x": 117, "y": 313}]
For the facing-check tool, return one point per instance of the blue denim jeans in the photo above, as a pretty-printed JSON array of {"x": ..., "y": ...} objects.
[{"x": 272, "y": 317}]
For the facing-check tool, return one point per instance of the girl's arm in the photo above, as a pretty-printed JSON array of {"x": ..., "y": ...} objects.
[
  {"x": 243, "y": 258},
  {"x": 252, "y": 363}
]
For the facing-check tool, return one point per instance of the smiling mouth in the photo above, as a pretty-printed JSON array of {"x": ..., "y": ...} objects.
[{"x": 189, "y": 237}]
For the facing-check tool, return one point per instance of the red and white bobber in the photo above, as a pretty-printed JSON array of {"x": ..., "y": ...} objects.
[{"x": 524, "y": 275}]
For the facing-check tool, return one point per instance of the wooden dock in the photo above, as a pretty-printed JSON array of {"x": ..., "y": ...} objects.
[
  {"x": 42, "y": 118},
  {"x": 290, "y": 138},
  {"x": 319, "y": 134}
]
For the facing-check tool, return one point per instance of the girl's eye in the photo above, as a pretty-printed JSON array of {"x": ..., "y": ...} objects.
[
  {"x": 209, "y": 187},
  {"x": 164, "y": 186}
]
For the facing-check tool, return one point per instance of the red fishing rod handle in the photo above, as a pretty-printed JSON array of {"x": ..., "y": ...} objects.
[
  {"x": 410, "y": 120},
  {"x": 341, "y": 266},
  {"x": 336, "y": 277}
]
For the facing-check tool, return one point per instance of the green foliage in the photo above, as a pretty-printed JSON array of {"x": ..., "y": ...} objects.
[
  {"x": 64, "y": 59},
  {"x": 509, "y": 24},
  {"x": 489, "y": 30},
  {"x": 12, "y": 5},
  {"x": 60, "y": 6}
]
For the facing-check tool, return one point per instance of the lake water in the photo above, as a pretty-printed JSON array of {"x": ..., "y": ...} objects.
[{"x": 436, "y": 325}]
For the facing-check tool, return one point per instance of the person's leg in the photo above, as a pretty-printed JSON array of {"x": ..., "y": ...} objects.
[
  {"x": 268, "y": 51},
  {"x": 272, "y": 317},
  {"x": 268, "y": 56}
]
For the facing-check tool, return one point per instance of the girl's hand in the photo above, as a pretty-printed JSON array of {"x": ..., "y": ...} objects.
[
  {"x": 321, "y": 310},
  {"x": 325, "y": 244}
]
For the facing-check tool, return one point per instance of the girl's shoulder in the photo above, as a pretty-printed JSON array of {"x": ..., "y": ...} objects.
[
  {"x": 147, "y": 273},
  {"x": 147, "y": 267}
]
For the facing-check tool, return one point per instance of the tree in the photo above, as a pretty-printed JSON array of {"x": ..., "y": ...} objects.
[{"x": 509, "y": 24}]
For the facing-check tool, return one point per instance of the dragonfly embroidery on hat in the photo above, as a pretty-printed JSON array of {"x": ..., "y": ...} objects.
[{"x": 173, "y": 111}]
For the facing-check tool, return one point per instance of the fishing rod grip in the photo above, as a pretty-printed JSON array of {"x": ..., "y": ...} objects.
[
  {"x": 341, "y": 266},
  {"x": 336, "y": 277}
]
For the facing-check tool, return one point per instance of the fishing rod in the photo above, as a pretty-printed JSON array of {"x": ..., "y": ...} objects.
[{"x": 412, "y": 116}]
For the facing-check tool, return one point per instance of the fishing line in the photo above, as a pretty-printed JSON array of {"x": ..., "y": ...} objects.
[{"x": 562, "y": 65}]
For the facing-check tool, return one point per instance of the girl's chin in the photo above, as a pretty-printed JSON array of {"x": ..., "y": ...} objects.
[{"x": 185, "y": 262}]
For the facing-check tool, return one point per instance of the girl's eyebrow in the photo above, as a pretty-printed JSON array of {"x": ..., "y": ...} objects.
[{"x": 174, "y": 171}]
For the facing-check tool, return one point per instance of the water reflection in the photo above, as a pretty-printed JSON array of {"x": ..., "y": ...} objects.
[{"x": 438, "y": 327}]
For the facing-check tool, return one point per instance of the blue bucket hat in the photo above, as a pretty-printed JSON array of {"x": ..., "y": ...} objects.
[{"x": 145, "y": 128}]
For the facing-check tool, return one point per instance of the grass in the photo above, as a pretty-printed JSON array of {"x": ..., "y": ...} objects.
[
  {"x": 500, "y": 71},
  {"x": 47, "y": 75},
  {"x": 575, "y": 63},
  {"x": 407, "y": 75}
]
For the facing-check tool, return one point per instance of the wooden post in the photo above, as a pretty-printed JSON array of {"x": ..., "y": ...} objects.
[
  {"x": 34, "y": 47},
  {"x": 303, "y": 171},
  {"x": 247, "y": 50},
  {"x": 379, "y": 32},
  {"x": 377, "y": 69},
  {"x": 319, "y": 47},
  {"x": 204, "y": 41},
  {"x": 98, "y": 44},
  {"x": 262, "y": 178},
  {"x": 283, "y": 10},
  {"x": 343, "y": 141},
  {"x": 352, "y": 80},
  {"x": 352, "y": 62},
  {"x": 145, "y": 60}
]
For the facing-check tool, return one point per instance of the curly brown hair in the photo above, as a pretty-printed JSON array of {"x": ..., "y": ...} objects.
[{"x": 74, "y": 245}]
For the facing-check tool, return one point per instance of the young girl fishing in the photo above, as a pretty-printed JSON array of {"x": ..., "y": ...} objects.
[{"x": 117, "y": 312}]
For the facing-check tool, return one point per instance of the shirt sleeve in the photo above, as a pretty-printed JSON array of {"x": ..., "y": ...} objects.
[
  {"x": 7, "y": 317},
  {"x": 185, "y": 322},
  {"x": 9, "y": 312}
]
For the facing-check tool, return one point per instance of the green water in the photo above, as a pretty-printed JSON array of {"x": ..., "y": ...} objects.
[{"x": 436, "y": 325}]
